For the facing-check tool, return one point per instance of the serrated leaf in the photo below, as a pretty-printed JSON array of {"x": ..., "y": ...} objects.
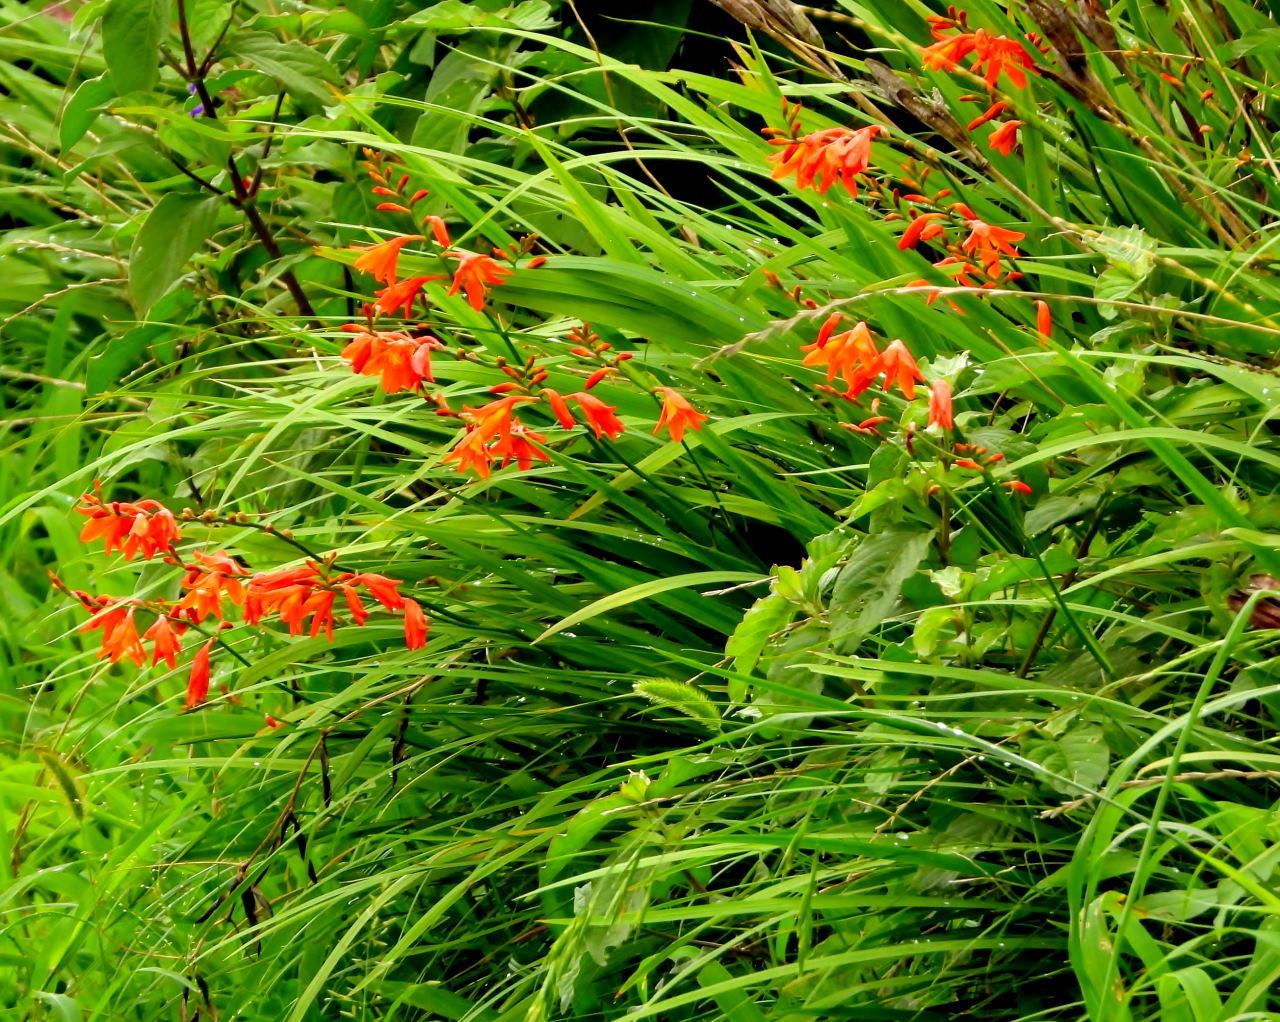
[
  {"x": 177, "y": 226},
  {"x": 132, "y": 31},
  {"x": 1080, "y": 755},
  {"x": 868, "y": 587}
]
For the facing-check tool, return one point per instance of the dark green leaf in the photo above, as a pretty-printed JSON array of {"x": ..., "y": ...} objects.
[
  {"x": 132, "y": 31},
  {"x": 173, "y": 231},
  {"x": 868, "y": 587},
  {"x": 300, "y": 70}
]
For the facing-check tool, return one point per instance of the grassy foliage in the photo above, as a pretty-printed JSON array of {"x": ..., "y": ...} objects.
[{"x": 788, "y": 720}]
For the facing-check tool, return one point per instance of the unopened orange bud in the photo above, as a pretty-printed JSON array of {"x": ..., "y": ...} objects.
[
  {"x": 597, "y": 376},
  {"x": 1044, "y": 319},
  {"x": 390, "y": 207}
]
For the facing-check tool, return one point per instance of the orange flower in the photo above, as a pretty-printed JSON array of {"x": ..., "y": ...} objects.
[
  {"x": 517, "y": 444},
  {"x": 319, "y": 606},
  {"x": 852, "y": 354},
  {"x": 280, "y": 591},
  {"x": 560, "y": 407},
  {"x": 940, "y": 412},
  {"x": 947, "y": 52},
  {"x": 402, "y": 360},
  {"x": 402, "y": 295},
  {"x": 827, "y": 156},
  {"x": 988, "y": 243},
  {"x": 415, "y": 626},
  {"x": 900, "y": 368},
  {"x": 1002, "y": 55},
  {"x": 146, "y": 527},
  {"x": 600, "y": 416},
  {"x": 1005, "y": 137},
  {"x": 359, "y": 612},
  {"x": 1017, "y": 486},
  {"x": 993, "y": 56},
  {"x": 165, "y": 642},
  {"x": 206, "y": 582},
  {"x": 475, "y": 273},
  {"x": 198, "y": 682},
  {"x": 510, "y": 439},
  {"x": 923, "y": 228},
  {"x": 380, "y": 260},
  {"x": 494, "y": 418},
  {"x": 677, "y": 414},
  {"x": 119, "y": 633},
  {"x": 384, "y": 590},
  {"x": 471, "y": 454},
  {"x": 438, "y": 230}
]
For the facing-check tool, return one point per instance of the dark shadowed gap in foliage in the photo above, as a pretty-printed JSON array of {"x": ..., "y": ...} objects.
[{"x": 700, "y": 38}]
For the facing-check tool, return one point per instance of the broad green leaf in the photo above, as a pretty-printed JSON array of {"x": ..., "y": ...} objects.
[
  {"x": 83, "y": 109},
  {"x": 173, "y": 231},
  {"x": 1079, "y": 756},
  {"x": 302, "y": 71},
  {"x": 132, "y": 31},
  {"x": 868, "y": 587}
]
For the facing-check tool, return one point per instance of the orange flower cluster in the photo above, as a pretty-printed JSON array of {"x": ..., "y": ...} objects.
[
  {"x": 993, "y": 55},
  {"x": 821, "y": 158},
  {"x": 853, "y": 355},
  {"x": 402, "y": 360},
  {"x": 210, "y": 580},
  {"x": 145, "y": 527},
  {"x": 295, "y": 594},
  {"x": 976, "y": 260},
  {"x": 494, "y": 434},
  {"x": 475, "y": 273}
]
